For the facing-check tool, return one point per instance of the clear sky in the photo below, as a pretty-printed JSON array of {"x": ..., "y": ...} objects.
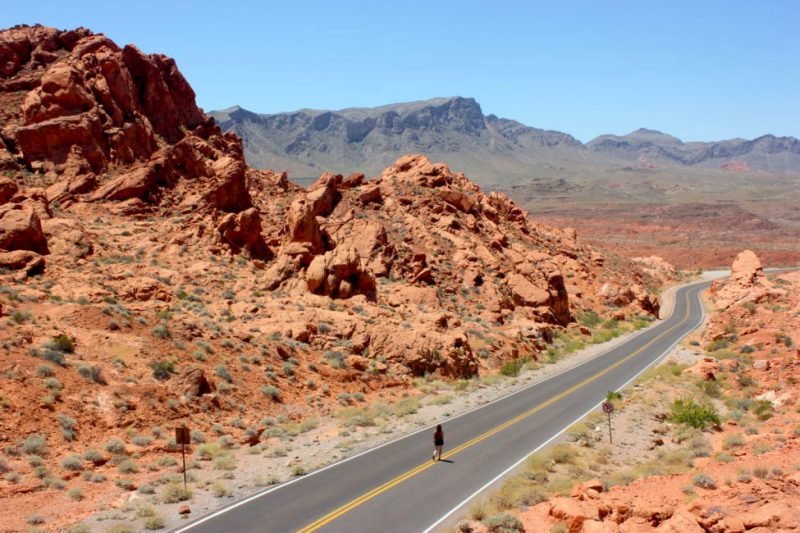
[{"x": 700, "y": 70}]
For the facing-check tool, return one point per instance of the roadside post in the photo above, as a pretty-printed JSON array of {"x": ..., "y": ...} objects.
[
  {"x": 182, "y": 438},
  {"x": 608, "y": 408}
]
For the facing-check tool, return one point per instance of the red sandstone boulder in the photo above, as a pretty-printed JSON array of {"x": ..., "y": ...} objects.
[
  {"x": 8, "y": 188},
  {"x": 242, "y": 231},
  {"x": 29, "y": 262},
  {"x": 340, "y": 273},
  {"x": 21, "y": 229}
]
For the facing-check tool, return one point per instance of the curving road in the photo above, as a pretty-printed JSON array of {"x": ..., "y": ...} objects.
[{"x": 396, "y": 487}]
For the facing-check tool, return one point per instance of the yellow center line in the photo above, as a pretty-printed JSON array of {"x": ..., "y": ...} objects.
[{"x": 333, "y": 515}]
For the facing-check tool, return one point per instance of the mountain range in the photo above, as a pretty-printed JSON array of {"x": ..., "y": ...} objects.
[{"x": 495, "y": 151}]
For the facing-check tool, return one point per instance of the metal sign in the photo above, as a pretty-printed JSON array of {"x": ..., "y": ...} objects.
[
  {"x": 608, "y": 408},
  {"x": 182, "y": 436}
]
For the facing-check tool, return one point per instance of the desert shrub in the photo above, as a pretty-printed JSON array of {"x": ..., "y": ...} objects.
[
  {"x": 68, "y": 425},
  {"x": 142, "y": 440},
  {"x": 298, "y": 470},
  {"x": 735, "y": 440},
  {"x": 161, "y": 331},
  {"x": 511, "y": 368},
  {"x": 745, "y": 380},
  {"x": 271, "y": 392},
  {"x": 93, "y": 456},
  {"x": 45, "y": 371},
  {"x": 223, "y": 373},
  {"x": 503, "y": 523},
  {"x": 762, "y": 409},
  {"x": 710, "y": 388},
  {"x": 76, "y": 494},
  {"x": 704, "y": 481},
  {"x": 174, "y": 493},
  {"x": 220, "y": 491},
  {"x": 34, "y": 519},
  {"x": 128, "y": 467},
  {"x": 167, "y": 461},
  {"x": 761, "y": 472},
  {"x": 92, "y": 373},
  {"x": 162, "y": 369},
  {"x": 687, "y": 411},
  {"x": 4, "y": 466},
  {"x": 72, "y": 463},
  {"x": 125, "y": 484},
  {"x": 563, "y": 453},
  {"x": 35, "y": 444},
  {"x": 115, "y": 446},
  {"x": 224, "y": 462},
  {"x": 154, "y": 522},
  {"x": 747, "y": 349},
  {"x": 590, "y": 319},
  {"x": 718, "y": 344},
  {"x": 406, "y": 406},
  {"x": 54, "y": 356},
  {"x": 53, "y": 384},
  {"x": 760, "y": 449},
  {"x": 62, "y": 343},
  {"x": 197, "y": 436},
  {"x": 356, "y": 416}
]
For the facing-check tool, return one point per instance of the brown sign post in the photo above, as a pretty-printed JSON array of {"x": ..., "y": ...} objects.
[
  {"x": 182, "y": 437},
  {"x": 608, "y": 408}
]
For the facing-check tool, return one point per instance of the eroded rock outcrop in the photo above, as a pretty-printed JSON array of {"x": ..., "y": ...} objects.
[
  {"x": 93, "y": 107},
  {"x": 747, "y": 283}
]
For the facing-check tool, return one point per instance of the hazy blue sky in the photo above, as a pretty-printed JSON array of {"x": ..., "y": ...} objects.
[{"x": 701, "y": 70}]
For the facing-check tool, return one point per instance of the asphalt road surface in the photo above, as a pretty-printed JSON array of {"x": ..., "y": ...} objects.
[{"x": 397, "y": 488}]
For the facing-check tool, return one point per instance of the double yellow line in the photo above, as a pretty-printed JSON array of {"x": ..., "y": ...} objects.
[{"x": 333, "y": 515}]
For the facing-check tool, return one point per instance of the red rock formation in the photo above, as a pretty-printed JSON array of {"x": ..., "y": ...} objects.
[
  {"x": 93, "y": 106},
  {"x": 747, "y": 282}
]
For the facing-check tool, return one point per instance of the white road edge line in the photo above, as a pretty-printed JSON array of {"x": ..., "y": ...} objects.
[
  {"x": 257, "y": 495},
  {"x": 551, "y": 439}
]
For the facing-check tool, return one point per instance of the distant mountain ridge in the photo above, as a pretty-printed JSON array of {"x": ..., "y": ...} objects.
[{"x": 492, "y": 149}]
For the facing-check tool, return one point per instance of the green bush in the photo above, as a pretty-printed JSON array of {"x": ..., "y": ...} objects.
[
  {"x": 174, "y": 493},
  {"x": 762, "y": 409},
  {"x": 590, "y": 319},
  {"x": 687, "y": 411},
  {"x": 62, "y": 343},
  {"x": 162, "y": 369},
  {"x": 511, "y": 368}
]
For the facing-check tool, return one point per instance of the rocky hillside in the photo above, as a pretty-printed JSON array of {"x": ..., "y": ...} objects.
[
  {"x": 711, "y": 444},
  {"x": 151, "y": 278},
  {"x": 493, "y": 150}
]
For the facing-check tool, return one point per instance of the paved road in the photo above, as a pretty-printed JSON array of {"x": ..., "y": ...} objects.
[{"x": 396, "y": 487}]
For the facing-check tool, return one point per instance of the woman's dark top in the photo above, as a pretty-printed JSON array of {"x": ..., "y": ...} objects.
[{"x": 438, "y": 438}]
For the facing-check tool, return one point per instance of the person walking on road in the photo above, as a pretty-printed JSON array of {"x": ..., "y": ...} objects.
[{"x": 438, "y": 442}]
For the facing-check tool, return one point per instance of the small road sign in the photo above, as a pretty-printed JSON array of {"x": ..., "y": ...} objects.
[
  {"x": 183, "y": 438},
  {"x": 608, "y": 408}
]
